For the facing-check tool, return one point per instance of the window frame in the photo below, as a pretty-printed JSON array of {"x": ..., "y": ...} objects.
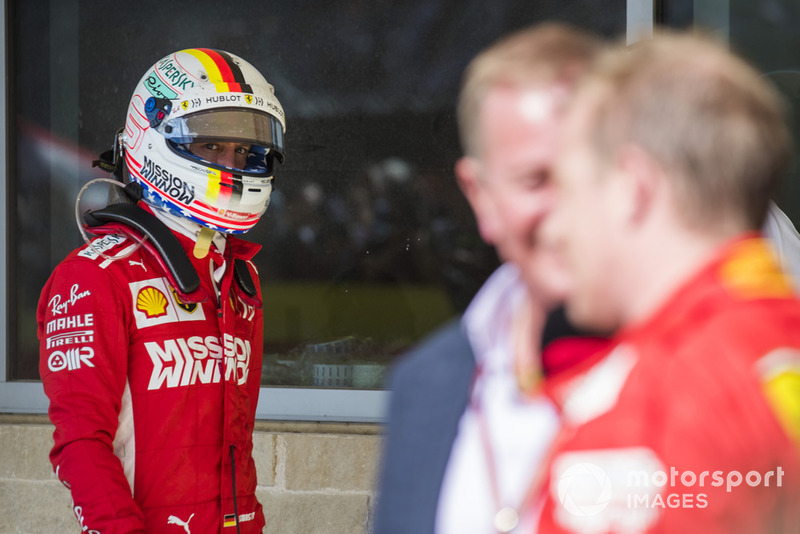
[{"x": 275, "y": 403}]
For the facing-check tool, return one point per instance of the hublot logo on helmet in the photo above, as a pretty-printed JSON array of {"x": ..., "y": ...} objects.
[
  {"x": 223, "y": 98},
  {"x": 167, "y": 182}
]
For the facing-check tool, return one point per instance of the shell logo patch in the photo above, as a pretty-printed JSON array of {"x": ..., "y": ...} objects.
[
  {"x": 151, "y": 302},
  {"x": 152, "y": 306}
]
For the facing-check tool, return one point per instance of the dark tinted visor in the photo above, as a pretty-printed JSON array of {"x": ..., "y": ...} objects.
[{"x": 230, "y": 125}]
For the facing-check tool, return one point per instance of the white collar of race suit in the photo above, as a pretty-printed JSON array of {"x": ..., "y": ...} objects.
[{"x": 188, "y": 228}]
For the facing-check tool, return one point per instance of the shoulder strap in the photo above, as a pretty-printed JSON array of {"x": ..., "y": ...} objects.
[
  {"x": 168, "y": 250},
  {"x": 243, "y": 278},
  {"x": 167, "y": 246}
]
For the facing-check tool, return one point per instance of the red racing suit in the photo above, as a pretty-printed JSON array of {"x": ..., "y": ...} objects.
[
  {"x": 152, "y": 399},
  {"x": 690, "y": 422}
]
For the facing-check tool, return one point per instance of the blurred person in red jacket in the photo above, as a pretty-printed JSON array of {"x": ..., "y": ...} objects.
[{"x": 691, "y": 421}]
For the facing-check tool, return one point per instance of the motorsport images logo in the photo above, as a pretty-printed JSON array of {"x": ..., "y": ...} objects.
[
  {"x": 584, "y": 489},
  {"x": 626, "y": 489}
]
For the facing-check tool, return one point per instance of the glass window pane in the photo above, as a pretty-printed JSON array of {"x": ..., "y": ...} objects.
[
  {"x": 765, "y": 34},
  {"x": 367, "y": 244}
]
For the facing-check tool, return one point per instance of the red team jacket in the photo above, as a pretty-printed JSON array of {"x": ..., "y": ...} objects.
[
  {"x": 691, "y": 421},
  {"x": 152, "y": 398}
]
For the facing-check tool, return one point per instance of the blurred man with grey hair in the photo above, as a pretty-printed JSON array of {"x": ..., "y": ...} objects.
[{"x": 469, "y": 422}]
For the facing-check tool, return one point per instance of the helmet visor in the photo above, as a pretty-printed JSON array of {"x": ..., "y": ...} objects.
[{"x": 241, "y": 126}]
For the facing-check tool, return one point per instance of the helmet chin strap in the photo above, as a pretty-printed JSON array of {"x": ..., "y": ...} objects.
[{"x": 203, "y": 243}]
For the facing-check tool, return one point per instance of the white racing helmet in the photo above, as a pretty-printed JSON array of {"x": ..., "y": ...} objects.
[{"x": 204, "y": 96}]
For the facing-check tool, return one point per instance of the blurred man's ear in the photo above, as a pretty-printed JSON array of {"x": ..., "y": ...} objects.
[
  {"x": 642, "y": 180},
  {"x": 469, "y": 175}
]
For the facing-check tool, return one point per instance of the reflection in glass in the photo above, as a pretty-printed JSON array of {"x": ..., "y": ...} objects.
[{"x": 367, "y": 244}]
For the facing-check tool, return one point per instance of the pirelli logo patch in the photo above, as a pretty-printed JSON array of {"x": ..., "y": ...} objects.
[{"x": 155, "y": 303}]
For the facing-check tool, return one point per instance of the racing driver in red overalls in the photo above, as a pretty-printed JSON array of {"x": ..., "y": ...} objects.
[{"x": 151, "y": 334}]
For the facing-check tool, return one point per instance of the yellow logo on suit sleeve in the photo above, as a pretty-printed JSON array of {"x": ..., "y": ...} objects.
[
  {"x": 780, "y": 372},
  {"x": 151, "y": 302},
  {"x": 752, "y": 271},
  {"x": 153, "y": 307}
]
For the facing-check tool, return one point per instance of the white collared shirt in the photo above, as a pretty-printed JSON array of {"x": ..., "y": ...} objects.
[
  {"x": 785, "y": 241},
  {"x": 520, "y": 429}
]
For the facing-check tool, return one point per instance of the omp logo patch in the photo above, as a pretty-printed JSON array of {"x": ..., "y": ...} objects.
[
  {"x": 70, "y": 359},
  {"x": 152, "y": 307}
]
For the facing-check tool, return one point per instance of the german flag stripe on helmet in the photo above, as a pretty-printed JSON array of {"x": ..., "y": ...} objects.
[
  {"x": 220, "y": 185},
  {"x": 222, "y": 71}
]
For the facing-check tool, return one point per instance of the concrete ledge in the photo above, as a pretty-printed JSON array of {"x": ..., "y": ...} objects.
[
  {"x": 260, "y": 426},
  {"x": 24, "y": 419},
  {"x": 287, "y": 427},
  {"x": 315, "y": 513}
]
